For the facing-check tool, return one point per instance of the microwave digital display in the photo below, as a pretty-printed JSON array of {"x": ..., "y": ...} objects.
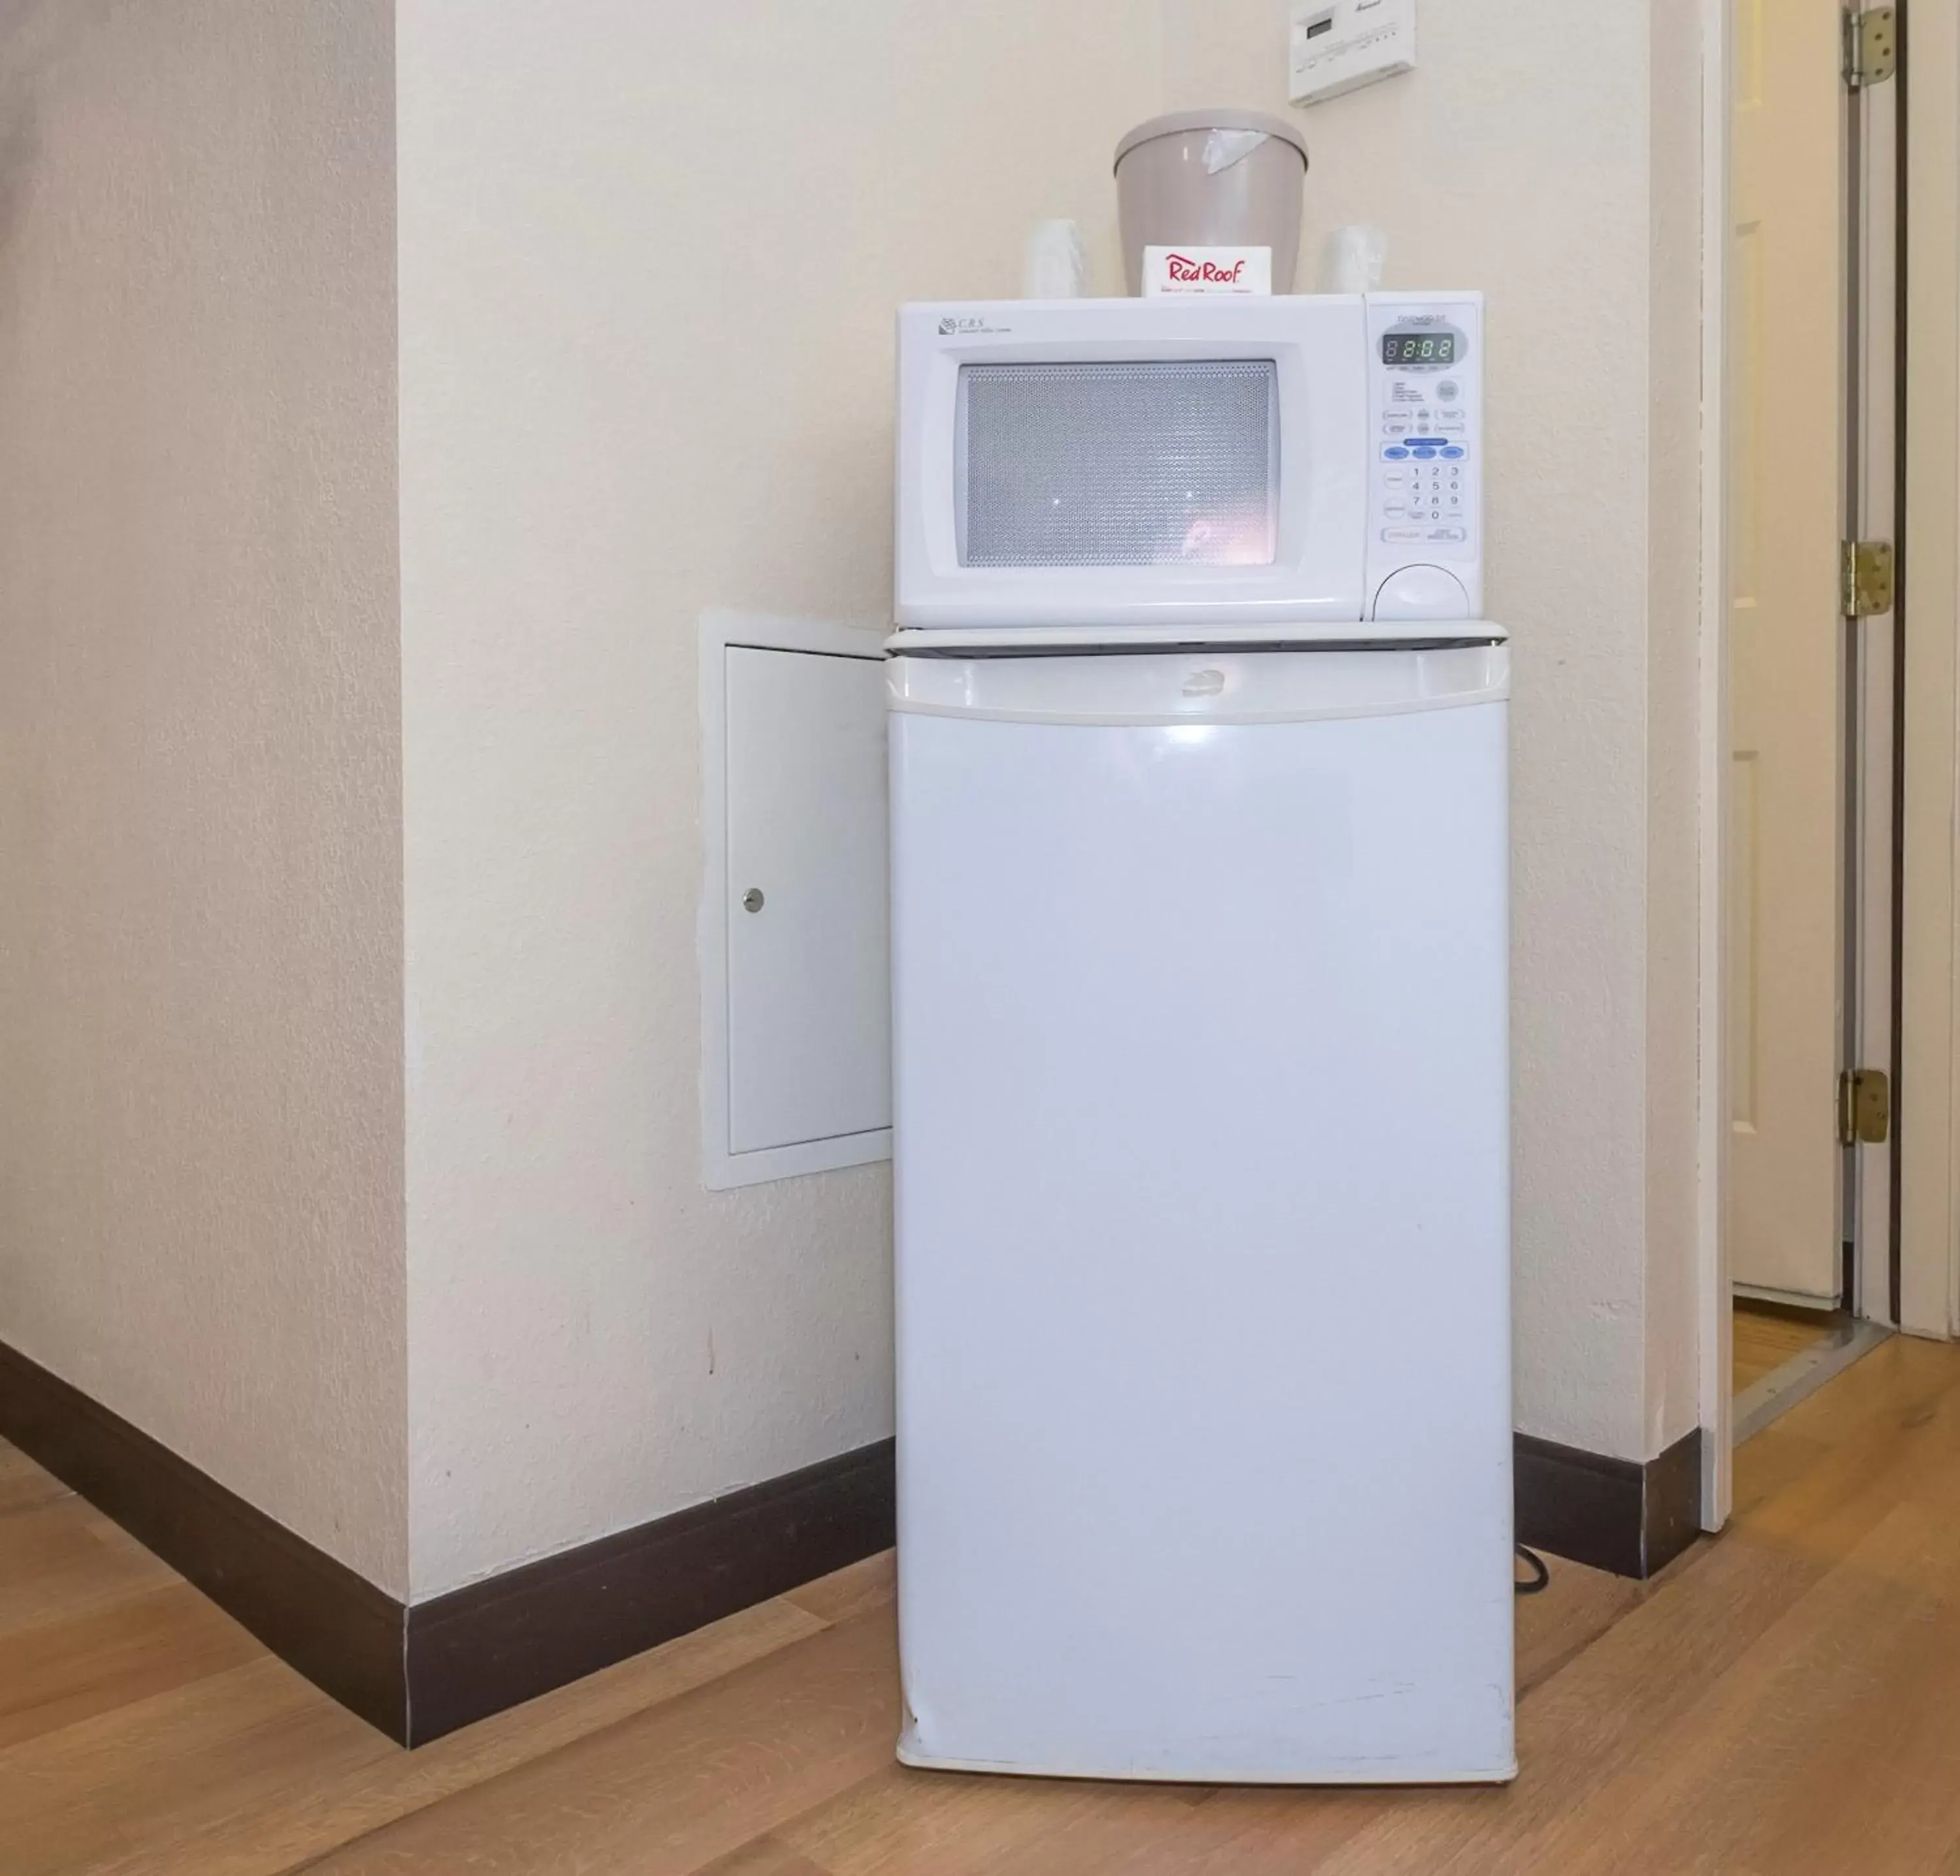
[
  {"x": 1117, "y": 463},
  {"x": 1410, "y": 348}
]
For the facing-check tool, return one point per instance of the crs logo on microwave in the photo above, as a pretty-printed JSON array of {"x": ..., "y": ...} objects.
[{"x": 964, "y": 325}]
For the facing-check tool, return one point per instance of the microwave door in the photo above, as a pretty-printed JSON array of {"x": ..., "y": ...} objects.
[
  {"x": 1156, "y": 464},
  {"x": 1132, "y": 463}
]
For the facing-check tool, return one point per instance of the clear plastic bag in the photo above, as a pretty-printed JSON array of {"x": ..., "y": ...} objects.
[{"x": 1224, "y": 148}]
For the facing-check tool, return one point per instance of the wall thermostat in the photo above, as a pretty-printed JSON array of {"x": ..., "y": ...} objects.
[{"x": 1338, "y": 46}]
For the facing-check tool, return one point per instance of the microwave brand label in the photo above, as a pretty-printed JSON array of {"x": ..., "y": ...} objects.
[{"x": 1242, "y": 271}]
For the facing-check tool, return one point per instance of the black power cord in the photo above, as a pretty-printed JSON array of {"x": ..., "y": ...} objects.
[{"x": 1541, "y": 1573}]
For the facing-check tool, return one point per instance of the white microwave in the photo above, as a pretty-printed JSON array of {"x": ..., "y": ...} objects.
[{"x": 1306, "y": 461}]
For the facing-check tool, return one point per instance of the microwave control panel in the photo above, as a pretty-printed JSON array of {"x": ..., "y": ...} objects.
[{"x": 1426, "y": 470}]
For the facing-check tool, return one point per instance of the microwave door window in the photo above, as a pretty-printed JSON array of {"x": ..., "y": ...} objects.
[{"x": 1167, "y": 462}]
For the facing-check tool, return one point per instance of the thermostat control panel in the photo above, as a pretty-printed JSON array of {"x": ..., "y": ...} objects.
[{"x": 1337, "y": 45}]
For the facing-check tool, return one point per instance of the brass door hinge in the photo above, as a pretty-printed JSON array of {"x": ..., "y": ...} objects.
[
  {"x": 1864, "y": 1107},
  {"x": 1871, "y": 46},
  {"x": 1866, "y": 578}
]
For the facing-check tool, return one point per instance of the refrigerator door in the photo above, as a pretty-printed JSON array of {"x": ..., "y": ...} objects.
[{"x": 1201, "y": 1109}]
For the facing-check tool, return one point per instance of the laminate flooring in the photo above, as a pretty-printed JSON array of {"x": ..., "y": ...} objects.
[
  {"x": 1766, "y": 1336},
  {"x": 1784, "y": 1699}
]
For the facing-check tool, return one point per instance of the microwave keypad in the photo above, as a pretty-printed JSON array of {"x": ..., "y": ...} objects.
[
  {"x": 1425, "y": 481},
  {"x": 1424, "y": 486},
  {"x": 1424, "y": 501}
]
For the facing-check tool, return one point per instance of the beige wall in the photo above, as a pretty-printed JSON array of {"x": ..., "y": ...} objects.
[
  {"x": 650, "y": 256},
  {"x": 200, "y": 923},
  {"x": 1672, "y": 1303},
  {"x": 1547, "y": 151},
  {"x": 1928, "y": 1103}
]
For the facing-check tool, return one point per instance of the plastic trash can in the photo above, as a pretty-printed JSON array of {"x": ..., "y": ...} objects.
[{"x": 1211, "y": 179}]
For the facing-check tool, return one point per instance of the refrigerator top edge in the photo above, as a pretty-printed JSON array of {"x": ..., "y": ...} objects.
[
  {"x": 1317, "y": 635},
  {"x": 1201, "y": 689}
]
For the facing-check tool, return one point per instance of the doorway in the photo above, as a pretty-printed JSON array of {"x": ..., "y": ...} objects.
[{"x": 1811, "y": 873}]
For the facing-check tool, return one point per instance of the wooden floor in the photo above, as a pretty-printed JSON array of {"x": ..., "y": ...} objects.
[
  {"x": 1767, "y": 1335},
  {"x": 1786, "y": 1699}
]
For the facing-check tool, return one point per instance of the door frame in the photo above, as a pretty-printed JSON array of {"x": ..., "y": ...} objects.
[
  {"x": 1715, "y": 1363},
  {"x": 1872, "y": 674},
  {"x": 1926, "y": 1147},
  {"x": 1929, "y": 1112}
]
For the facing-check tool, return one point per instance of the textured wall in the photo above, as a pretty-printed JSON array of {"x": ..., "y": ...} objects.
[
  {"x": 1672, "y": 1303},
  {"x": 650, "y": 255},
  {"x": 649, "y": 258},
  {"x": 200, "y": 923},
  {"x": 1539, "y": 153}
]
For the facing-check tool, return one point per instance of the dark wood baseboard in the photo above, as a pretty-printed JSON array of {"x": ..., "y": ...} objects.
[
  {"x": 310, "y": 1610},
  {"x": 1616, "y": 1515},
  {"x": 418, "y": 1672},
  {"x": 486, "y": 1647}
]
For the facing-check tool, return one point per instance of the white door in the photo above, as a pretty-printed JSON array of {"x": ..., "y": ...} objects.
[
  {"x": 1787, "y": 855},
  {"x": 1202, "y": 1124}
]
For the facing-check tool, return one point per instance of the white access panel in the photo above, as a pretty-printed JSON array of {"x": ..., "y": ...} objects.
[
  {"x": 805, "y": 910},
  {"x": 1203, "y": 1257}
]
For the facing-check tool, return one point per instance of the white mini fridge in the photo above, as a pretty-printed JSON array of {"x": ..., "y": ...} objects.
[{"x": 1203, "y": 1286}]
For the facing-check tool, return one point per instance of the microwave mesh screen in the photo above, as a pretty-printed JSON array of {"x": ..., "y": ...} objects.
[{"x": 1118, "y": 464}]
